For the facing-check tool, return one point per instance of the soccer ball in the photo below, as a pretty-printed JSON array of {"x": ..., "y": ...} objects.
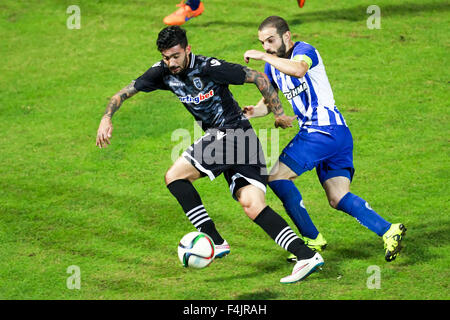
[{"x": 196, "y": 250}]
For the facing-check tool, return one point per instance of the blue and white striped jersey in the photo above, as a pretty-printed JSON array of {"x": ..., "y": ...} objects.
[{"x": 311, "y": 97}]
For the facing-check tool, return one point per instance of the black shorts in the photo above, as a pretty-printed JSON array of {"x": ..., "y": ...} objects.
[{"x": 237, "y": 153}]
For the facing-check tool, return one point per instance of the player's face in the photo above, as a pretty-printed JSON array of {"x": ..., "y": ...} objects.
[
  {"x": 272, "y": 42},
  {"x": 176, "y": 58}
]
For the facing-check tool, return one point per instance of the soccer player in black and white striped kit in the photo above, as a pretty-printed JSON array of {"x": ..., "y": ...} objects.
[{"x": 229, "y": 145}]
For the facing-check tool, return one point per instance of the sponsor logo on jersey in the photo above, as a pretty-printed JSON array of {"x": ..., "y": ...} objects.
[
  {"x": 175, "y": 83},
  {"x": 198, "y": 98},
  {"x": 292, "y": 93}
]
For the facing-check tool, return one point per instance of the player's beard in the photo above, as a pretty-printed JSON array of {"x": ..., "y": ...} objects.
[
  {"x": 281, "y": 51},
  {"x": 182, "y": 67}
]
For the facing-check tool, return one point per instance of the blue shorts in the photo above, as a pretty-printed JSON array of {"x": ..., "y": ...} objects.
[{"x": 329, "y": 149}]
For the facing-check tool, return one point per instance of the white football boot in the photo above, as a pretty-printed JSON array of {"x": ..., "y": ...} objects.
[
  {"x": 304, "y": 268},
  {"x": 221, "y": 250}
]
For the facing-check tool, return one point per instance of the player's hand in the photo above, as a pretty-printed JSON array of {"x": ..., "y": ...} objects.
[
  {"x": 253, "y": 54},
  {"x": 284, "y": 121},
  {"x": 104, "y": 132},
  {"x": 248, "y": 111}
]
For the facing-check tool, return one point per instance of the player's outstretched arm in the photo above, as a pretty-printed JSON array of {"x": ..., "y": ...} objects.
[
  {"x": 270, "y": 96},
  {"x": 295, "y": 68},
  {"x": 105, "y": 128}
]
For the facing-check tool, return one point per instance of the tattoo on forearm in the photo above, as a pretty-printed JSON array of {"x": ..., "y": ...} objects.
[
  {"x": 267, "y": 90},
  {"x": 117, "y": 100},
  {"x": 112, "y": 107}
]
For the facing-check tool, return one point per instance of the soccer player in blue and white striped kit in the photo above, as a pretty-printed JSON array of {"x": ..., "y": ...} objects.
[{"x": 323, "y": 142}]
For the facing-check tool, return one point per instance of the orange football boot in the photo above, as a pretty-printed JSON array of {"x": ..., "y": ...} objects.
[
  {"x": 183, "y": 14},
  {"x": 301, "y": 3}
]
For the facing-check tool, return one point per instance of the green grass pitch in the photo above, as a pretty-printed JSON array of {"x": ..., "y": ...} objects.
[{"x": 64, "y": 202}]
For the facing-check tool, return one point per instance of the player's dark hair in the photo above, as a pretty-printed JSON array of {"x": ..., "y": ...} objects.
[
  {"x": 276, "y": 22},
  {"x": 170, "y": 37}
]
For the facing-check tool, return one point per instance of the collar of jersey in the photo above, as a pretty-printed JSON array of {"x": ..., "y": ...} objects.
[
  {"x": 191, "y": 64},
  {"x": 291, "y": 51}
]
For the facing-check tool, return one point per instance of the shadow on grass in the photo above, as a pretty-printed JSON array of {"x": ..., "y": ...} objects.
[
  {"x": 259, "y": 295},
  {"x": 420, "y": 238},
  {"x": 357, "y": 13},
  {"x": 44, "y": 229},
  {"x": 261, "y": 269},
  {"x": 416, "y": 245},
  {"x": 365, "y": 251}
]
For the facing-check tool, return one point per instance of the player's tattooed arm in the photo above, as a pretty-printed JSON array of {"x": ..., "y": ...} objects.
[
  {"x": 117, "y": 99},
  {"x": 104, "y": 132},
  {"x": 267, "y": 90},
  {"x": 270, "y": 96}
]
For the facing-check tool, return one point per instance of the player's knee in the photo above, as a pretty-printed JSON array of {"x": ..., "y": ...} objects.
[
  {"x": 252, "y": 211},
  {"x": 332, "y": 204},
  {"x": 252, "y": 200},
  {"x": 333, "y": 201},
  {"x": 173, "y": 174},
  {"x": 252, "y": 207},
  {"x": 181, "y": 170},
  {"x": 169, "y": 177}
]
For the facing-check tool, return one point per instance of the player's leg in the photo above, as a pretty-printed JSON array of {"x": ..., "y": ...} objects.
[
  {"x": 340, "y": 198},
  {"x": 186, "y": 11},
  {"x": 182, "y": 169},
  {"x": 179, "y": 180},
  {"x": 336, "y": 174},
  {"x": 252, "y": 200},
  {"x": 281, "y": 182},
  {"x": 248, "y": 185},
  {"x": 300, "y": 155}
]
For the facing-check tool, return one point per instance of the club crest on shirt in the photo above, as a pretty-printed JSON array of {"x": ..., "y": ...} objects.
[{"x": 198, "y": 83}]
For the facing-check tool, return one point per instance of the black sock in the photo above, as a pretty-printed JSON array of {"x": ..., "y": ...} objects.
[
  {"x": 278, "y": 229},
  {"x": 192, "y": 205}
]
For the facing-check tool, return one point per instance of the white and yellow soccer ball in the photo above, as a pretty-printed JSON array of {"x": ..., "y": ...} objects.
[{"x": 196, "y": 250}]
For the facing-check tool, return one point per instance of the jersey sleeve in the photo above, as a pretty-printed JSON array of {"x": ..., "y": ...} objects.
[
  {"x": 268, "y": 72},
  {"x": 223, "y": 72},
  {"x": 305, "y": 52},
  {"x": 151, "y": 80}
]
